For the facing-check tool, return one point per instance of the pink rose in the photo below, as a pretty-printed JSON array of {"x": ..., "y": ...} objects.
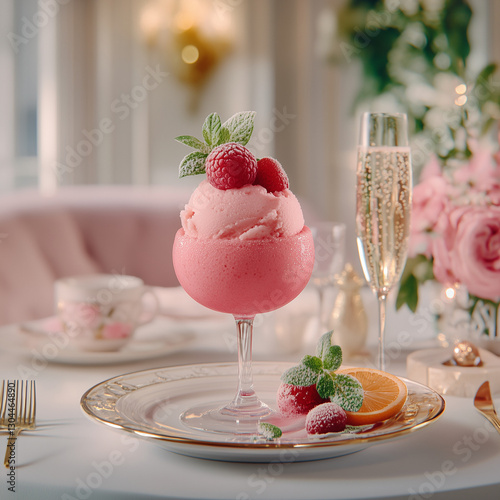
[
  {"x": 479, "y": 179},
  {"x": 431, "y": 169},
  {"x": 441, "y": 247},
  {"x": 116, "y": 330},
  {"x": 473, "y": 240},
  {"x": 430, "y": 198}
]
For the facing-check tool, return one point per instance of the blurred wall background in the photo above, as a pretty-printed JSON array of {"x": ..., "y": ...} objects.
[{"x": 94, "y": 91}]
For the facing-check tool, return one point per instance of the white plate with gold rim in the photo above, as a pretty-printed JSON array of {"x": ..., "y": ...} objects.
[{"x": 149, "y": 404}]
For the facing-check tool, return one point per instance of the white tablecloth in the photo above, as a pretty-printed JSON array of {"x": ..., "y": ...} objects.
[{"x": 72, "y": 457}]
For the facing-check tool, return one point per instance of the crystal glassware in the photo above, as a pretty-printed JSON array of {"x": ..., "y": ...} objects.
[
  {"x": 243, "y": 278},
  {"x": 329, "y": 253},
  {"x": 383, "y": 206}
]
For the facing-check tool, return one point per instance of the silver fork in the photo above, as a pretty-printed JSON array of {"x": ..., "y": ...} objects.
[{"x": 17, "y": 412}]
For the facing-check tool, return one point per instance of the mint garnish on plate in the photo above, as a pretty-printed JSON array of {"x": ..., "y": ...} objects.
[
  {"x": 269, "y": 431},
  {"x": 238, "y": 129},
  {"x": 342, "y": 389},
  {"x": 348, "y": 392}
]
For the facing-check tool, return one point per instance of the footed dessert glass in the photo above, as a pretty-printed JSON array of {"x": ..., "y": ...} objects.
[{"x": 243, "y": 278}]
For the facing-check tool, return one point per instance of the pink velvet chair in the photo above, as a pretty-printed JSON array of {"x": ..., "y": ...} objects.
[{"x": 80, "y": 230}]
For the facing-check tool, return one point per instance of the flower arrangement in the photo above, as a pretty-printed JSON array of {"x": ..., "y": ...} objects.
[
  {"x": 413, "y": 55},
  {"x": 414, "y": 59},
  {"x": 455, "y": 233}
]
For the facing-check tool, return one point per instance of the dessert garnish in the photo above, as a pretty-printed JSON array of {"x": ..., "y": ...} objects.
[
  {"x": 334, "y": 400},
  {"x": 226, "y": 160},
  {"x": 384, "y": 395},
  {"x": 271, "y": 175},
  {"x": 298, "y": 399},
  {"x": 269, "y": 431},
  {"x": 315, "y": 381},
  {"x": 230, "y": 165},
  {"x": 325, "y": 418},
  {"x": 237, "y": 129}
]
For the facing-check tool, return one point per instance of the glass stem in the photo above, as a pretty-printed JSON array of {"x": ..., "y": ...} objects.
[
  {"x": 245, "y": 404},
  {"x": 382, "y": 302},
  {"x": 245, "y": 378}
]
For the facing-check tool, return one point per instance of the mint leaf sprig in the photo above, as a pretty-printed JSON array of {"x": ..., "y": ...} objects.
[
  {"x": 238, "y": 128},
  {"x": 340, "y": 388},
  {"x": 269, "y": 431}
]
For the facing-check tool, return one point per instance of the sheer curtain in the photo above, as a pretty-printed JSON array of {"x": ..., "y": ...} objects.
[{"x": 112, "y": 104}]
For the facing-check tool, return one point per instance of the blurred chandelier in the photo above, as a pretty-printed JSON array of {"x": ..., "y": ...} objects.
[{"x": 194, "y": 36}]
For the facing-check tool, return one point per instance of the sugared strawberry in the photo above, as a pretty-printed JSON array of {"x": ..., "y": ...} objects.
[
  {"x": 297, "y": 399},
  {"x": 271, "y": 175},
  {"x": 324, "y": 418},
  {"x": 230, "y": 165}
]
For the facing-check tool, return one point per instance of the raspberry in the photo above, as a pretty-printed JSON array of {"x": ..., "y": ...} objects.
[
  {"x": 271, "y": 175},
  {"x": 297, "y": 399},
  {"x": 230, "y": 165},
  {"x": 328, "y": 417}
]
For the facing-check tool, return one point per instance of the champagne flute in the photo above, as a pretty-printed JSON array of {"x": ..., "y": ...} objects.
[
  {"x": 329, "y": 252},
  {"x": 383, "y": 206}
]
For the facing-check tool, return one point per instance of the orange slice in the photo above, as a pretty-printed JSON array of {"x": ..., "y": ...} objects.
[{"x": 384, "y": 395}]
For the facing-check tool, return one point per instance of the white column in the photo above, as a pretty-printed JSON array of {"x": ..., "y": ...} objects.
[
  {"x": 105, "y": 91},
  {"x": 49, "y": 167},
  {"x": 7, "y": 86},
  {"x": 140, "y": 162}
]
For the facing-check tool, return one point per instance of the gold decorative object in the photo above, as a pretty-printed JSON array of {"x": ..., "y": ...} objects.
[
  {"x": 193, "y": 35},
  {"x": 348, "y": 318},
  {"x": 466, "y": 354}
]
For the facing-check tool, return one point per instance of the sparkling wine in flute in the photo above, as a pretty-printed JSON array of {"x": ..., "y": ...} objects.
[
  {"x": 383, "y": 205},
  {"x": 383, "y": 214}
]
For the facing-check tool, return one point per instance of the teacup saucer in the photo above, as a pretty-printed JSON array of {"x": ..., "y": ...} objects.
[{"x": 46, "y": 339}]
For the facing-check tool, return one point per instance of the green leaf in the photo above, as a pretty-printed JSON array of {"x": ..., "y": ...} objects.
[
  {"x": 408, "y": 293},
  {"x": 325, "y": 385},
  {"x": 422, "y": 268},
  {"x": 300, "y": 375},
  {"x": 193, "y": 142},
  {"x": 348, "y": 392},
  {"x": 484, "y": 87},
  {"x": 312, "y": 362},
  {"x": 474, "y": 302},
  {"x": 485, "y": 74},
  {"x": 193, "y": 164},
  {"x": 211, "y": 129},
  {"x": 355, "y": 429},
  {"x": 332, "y": 359},
  {"x": 455, "y": 23},
  {"x": 240, "y": 126},
  {"x": 324, "y": 343},
  {"x": 224, "y": 136},
  {"x": 269, "y": 431}
]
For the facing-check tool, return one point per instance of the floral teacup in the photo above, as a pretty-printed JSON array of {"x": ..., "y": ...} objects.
[{"x": 100, "y": 312}]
